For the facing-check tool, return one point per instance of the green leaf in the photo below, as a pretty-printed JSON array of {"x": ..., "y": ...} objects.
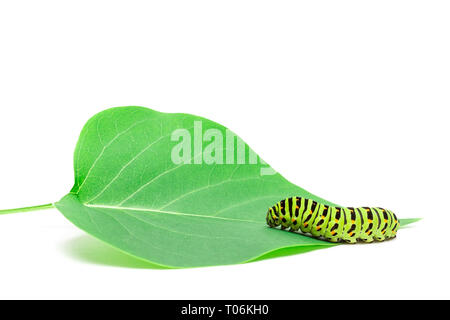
[
  {"x": 183, "y": 239},
  {"x": 135, "y": 190},
  {"x": 405, "y": 222}
]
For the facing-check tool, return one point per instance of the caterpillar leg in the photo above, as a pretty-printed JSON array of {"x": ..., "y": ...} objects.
[
  {"x": 333, "y": 239},
  {"x": 366, "y": 238},
  {"x": 377, "y": 235},
  {"x": 392, "y": 236}
]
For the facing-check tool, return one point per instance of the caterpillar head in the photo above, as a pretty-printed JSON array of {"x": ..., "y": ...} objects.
[{"x": 273, "y": 217}]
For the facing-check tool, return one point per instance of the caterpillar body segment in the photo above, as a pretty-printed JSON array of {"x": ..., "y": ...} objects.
[{"x": 332, "y": 223}]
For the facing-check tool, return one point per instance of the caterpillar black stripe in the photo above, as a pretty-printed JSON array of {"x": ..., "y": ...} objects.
[{"x": 332, "y": 223}]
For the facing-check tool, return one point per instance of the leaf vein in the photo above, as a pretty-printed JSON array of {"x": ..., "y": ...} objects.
[
  {"x": 204, "y": 188},
  {"x": 148, "y": 147},
  {"x": 153, "y": 179},
  {"x": 104, "y": 149}
]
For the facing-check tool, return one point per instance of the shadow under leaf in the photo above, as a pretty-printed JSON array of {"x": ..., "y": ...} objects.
[
  {"x": 88, "y": 249},
  {"x": 288, "y": 251}
]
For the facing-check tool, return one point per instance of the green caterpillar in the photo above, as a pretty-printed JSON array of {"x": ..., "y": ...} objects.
[{"x": 332, "y": 223}]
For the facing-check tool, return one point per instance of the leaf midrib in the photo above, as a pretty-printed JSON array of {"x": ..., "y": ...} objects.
[{"x": 166, "y": 212}]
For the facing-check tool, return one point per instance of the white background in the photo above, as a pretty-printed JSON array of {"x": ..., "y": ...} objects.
[{"x": 348, "y": 99}]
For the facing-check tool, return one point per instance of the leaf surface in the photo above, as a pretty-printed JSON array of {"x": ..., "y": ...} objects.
[{"x": 131, "y": 194}]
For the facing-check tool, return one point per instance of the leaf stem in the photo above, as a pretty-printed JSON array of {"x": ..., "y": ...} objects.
[{"x": 26, "y": 209}]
